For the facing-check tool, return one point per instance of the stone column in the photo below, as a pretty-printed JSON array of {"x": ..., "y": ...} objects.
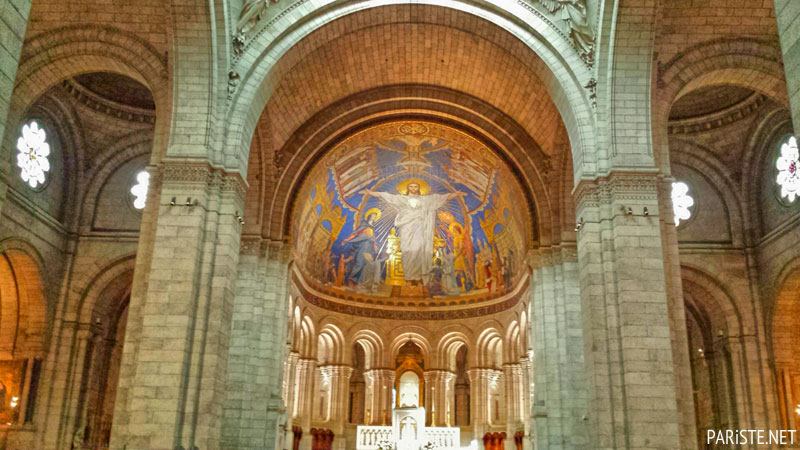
[
  {"x": 254, "y": 401},
  {"x": 449, "y": 400},
  {"x": 484, "y": 384},
  {"x": 527, "y": 388},
  {"x": 512, "y": 374},
  {"x": 289, "y": 393},
  {"x": 439, "y": 392},
  {"x": 304, "y": 389},
  {"x": 461, "y": 408},
  {"x": 626, "y": 320},
  {"x": 379, "y": 384},
  {"x": 677, "y": 313},
  {"x": 788, "y": 14},
  {"x": 174, "y": 366},
  {"x": 560, "y": 402},
  {"x": 338, "y": 396}
]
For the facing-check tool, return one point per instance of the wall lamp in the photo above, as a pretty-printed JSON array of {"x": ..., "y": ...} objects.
[
  {"x": 629, "y": 211},
  {"x": 173, "y": 201},
  {"x": 579, "y": 225}
]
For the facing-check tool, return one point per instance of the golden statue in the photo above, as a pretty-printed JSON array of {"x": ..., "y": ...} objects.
[{"x": 394, "y": 266}]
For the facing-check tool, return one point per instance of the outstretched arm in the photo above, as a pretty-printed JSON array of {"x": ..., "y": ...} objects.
[
  {"x": 394, "y": 200},
  {"x": 453, "y": 195}
]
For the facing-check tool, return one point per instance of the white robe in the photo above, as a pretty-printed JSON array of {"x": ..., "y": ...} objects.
[{"x": 415, "y": 222}]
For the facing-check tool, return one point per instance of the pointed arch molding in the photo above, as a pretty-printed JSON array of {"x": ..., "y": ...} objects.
[{"x": 257, "y": 72}]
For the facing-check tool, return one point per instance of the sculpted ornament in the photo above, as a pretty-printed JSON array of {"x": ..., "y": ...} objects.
[
  {"x": 574, "y": 14},
  {"x": 252, "y": 12}
]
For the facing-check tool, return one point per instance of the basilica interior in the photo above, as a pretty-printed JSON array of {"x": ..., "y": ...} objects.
[{"x": 399, "y": 224}]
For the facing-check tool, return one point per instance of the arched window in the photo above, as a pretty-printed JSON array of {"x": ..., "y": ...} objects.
[
  {"x": 788, "y": 165},
  {"x": 139, "y": 190},
  {"x": 681, "y": 201},
  {"x": 33, "y": 154}
]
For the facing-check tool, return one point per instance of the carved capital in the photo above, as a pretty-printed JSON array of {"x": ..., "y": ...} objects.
[
  {"x": 634, "y": 186},
  {"x": 205, "y": 176},
  {"x": 553, "y": 256}
]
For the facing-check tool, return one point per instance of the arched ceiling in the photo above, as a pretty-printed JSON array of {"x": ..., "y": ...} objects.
[
  {"x": 411, "y": 210},
  {"x": 708, "y": 100},
  {"x": 406, "y": 45},
  {"x": 117, "y": 88},
  {"x": 418, "y": 44}
]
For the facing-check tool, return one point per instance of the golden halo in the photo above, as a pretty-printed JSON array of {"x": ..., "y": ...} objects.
[
  {"x": 375, "y": 211},
  {"x": 424, "y": 187},
  {"x": 453, "y": 226}
]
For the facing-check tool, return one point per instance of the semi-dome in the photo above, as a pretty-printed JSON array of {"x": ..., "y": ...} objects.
[{"x": 407, "y": 211}]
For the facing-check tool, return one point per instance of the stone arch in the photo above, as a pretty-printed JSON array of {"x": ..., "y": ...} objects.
[
  {"x": 784, "y": 300},
  {"x": 718, "y": 364},
  {"x": 747, "y": 62},
  {"x": 784, "y": 339},
  {"x": 564, "y": 74},
  {"x": 705, "y": 163},
  {"x": 108, "y": 324},
  {"x": 512, "y": 349},
  {"x": 23, "y": 304},
  {"x": 331, "y": 348},
  {"x": 412, "y": 333},
  {"x": 315, "y": 137},
  {"x": 83, "y": 309},
  {"x": 53, "y": 56},
  {"x": 307, "y": 342},
  {"x": 447, "y": 349},
  {"x": 489, "y": 348},
  {"x": 62, "y": 117},
  {"x": 523, "y": 325},
  {"x": 714, "y": 298},
  {"x": 373, "y": 347},
  {"x": 775, "y": 124},
  {"x": 126, "y": 148}
]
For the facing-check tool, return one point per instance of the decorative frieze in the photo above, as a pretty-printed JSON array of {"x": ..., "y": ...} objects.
[
  {"x": 552, "y": 256},
  {"x": 636, "y": 186},
  {"x": 438, "y": 310},
  {"x": 204, "y": 175},
  {"x": 258, "y": 246}
]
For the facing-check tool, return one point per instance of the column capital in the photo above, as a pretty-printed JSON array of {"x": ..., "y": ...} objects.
[
  {"x": 437, "y": 374},
  {"x": 336, "y": 370},
  {"x": 203, "y": 175},
  {"x": 257, "y": 246},
  {"x": 484, "y": 374},
  {"x": 380, "y": 377},
  {"x": 553, "y": 256},
  {"x": 634, "y": 186}
]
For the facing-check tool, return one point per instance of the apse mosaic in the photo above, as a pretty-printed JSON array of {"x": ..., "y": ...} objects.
[{"x": 411, "y": 209}]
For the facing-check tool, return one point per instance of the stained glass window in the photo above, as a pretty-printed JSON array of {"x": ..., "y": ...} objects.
[
  {"x": 33, "y": 154},
  {"x": 788, "y": 165},
  {"x": 139, "y": 190},
  {"x": 681, "y": 201}
]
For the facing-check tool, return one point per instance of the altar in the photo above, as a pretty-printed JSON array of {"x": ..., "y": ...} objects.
[{"x": 407, "y": 432}]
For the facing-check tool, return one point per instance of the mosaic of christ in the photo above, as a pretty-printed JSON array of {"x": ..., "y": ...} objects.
[{"x": 411, "y": 209}]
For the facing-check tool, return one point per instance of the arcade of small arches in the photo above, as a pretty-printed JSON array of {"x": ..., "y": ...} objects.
[
  {"x": 398, "y": 224},
  {"x": 474, "y": 376}
]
